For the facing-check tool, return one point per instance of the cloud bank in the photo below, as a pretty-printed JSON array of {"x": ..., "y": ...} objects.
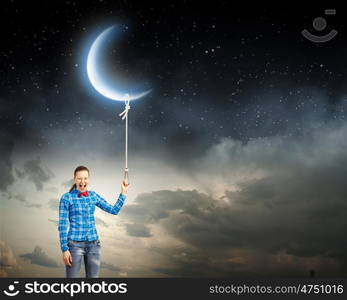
[{"x": 282, "y": 203}]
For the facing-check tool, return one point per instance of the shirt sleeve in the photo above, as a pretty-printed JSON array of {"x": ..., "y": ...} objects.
[
  {"x": 63, "y": 223},
  {"x": 112, "y": 209}
]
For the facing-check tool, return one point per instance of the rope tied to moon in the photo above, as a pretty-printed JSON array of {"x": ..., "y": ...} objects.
[
  {"x": 97, "y": 80},
  {"x": 124, "y": 115}
]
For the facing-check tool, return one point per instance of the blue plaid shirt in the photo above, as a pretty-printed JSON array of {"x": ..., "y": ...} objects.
[{"x": 79, "y": 211}]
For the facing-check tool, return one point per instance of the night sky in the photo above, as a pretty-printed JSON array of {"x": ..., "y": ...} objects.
[{"x": 237, "y": 156}]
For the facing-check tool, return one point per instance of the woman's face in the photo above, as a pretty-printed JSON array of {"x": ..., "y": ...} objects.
[{"x": 81, "y": 180}]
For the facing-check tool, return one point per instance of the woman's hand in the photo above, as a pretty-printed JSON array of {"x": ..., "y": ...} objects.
[
  {"x": 67, "y": 258},
  {"x": 124, "y": 188}
]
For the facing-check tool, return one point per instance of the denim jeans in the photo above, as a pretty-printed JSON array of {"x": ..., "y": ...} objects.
[{"x": 87, "y": 251}]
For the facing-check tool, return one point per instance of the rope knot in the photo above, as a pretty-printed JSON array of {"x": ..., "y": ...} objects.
[{"x": 124, "y": 113}]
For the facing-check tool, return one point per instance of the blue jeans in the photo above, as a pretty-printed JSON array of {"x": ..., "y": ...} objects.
[{"x": 89, "y": 251}]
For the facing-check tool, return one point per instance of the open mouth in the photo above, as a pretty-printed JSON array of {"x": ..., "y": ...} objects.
[{"x": 82, "y": 185}]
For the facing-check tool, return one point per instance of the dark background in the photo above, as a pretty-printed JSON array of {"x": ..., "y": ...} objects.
[{"x": 225, "y": 70}]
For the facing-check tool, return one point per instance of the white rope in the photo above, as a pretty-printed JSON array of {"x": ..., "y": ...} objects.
[{"x": 124, "y": 115}]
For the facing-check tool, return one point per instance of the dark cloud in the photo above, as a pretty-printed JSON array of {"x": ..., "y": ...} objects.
[
  {"x": 283, "y": 235},
  {"x": 39, "y": 257},
  {"x": 292, "y": 201},
  {"x": 195, "y": 262},
  {"x": 36, "y": 173},
  {"x": 189, "y": 262},
  {"x": 19, "y": 174},
  {"x": 6, "y": 148},
  {"x": 138, "y": 230},
  {"x": 151, "y": 208},
  {"x": 21, "y": 198},
  {"x": 109, "y": 267}
]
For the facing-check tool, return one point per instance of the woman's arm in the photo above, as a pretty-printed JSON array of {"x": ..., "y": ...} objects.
[{"x": 112, "y": 209}]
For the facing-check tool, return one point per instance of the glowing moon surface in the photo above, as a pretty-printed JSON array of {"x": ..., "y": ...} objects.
[{"x": 96, "y": 76}]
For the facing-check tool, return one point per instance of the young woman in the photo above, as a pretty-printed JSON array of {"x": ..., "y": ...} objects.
[{"x": 77, "y": 208}]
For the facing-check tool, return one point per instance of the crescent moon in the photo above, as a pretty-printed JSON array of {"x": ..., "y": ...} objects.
[{"x": 96, "y": 77}]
